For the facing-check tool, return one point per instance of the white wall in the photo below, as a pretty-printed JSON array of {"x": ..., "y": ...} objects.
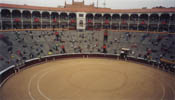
[{"x": 79, "y": 27}]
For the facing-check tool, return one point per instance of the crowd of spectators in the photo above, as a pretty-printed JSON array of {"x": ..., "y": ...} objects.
[{"x": 19, "y": 46}]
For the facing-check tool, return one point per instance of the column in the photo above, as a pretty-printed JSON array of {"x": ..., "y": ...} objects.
[
  {"x": 41, "y": 19},
  {"x": 138, "y": 22},
  {"x": 1, "y": 20},
  {"x": 102, "y": 15},
  {"x": 129, "y": 21},
  {"x": 41, "y": 23},
  {"x": 31, "y": 19},
  {"x": 93, "y": 23},
  {"x": 111, "y": 22},
  {"x": 58, "y": 20},
  {"x": 148, "y": 22},
  {"x": 158, "y": 22},
  {"x": 68, "y": 20},
  {"x": 84, "y": 17},
  {"x": 50, "y": 19},
  {"x": 169, "y": 22},
  {"x": 11, "y": 19},
  {"x": 120, "y": 21},
  {"x": 21, "y": 20}
]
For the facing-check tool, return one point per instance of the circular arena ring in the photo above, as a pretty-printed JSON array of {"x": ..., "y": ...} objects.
[{"x": 87, "y": 77}]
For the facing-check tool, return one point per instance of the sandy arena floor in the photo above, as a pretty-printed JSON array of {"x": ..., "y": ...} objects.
[{"x": 89, "y": 79}]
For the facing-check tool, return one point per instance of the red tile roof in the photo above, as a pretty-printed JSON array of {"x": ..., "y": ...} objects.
[{"x": 87, "y": 8}]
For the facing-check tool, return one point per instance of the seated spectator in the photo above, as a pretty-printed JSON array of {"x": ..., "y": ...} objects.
[
  {"x": 140, "y": 55},
  {"x": 115, "y": 40},
  {"x": 128, "y": 36},
  {"x": 31, "y": 55},
  {"x": 19, "y": 53},
  {"x": 31, "y": 35},
  {"x": 57, "y": 36},
  {"x": 17, "y": 61},
  {"x": 104, "y": 49},
  {"x": 145, "y": 57},
  {"x": 12, "y": 56},
  {"x": 24, "y": 58},
  {"x": 159, "y": 38},
  {"x": 1, "y": 58},
  {"x": 17, "y": 35},
  {"x": 50, "y": 52},
  {"x": 134, "y": 45},
  {"x": 8, "y": 61},
  {"x": 79, "y": 49},
  {"x": 63, "y": 49},
  {"x": 10, "y": 50},
  {"x": 149, "y": 51},
  {"x": 1, "y": 36},
  {"x": 6, "y": 40},
  {"x": 105, "y": 36},
  {"x": 144, "y": 37}
]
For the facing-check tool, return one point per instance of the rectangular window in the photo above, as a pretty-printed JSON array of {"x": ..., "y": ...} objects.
[
  {"x": 81, "y": 15},
  {"x": 81, "y": 23}
]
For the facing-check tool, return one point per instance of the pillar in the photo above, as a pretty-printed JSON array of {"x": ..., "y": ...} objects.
[
  {"x": 41, "y": 19},
  {"x": 50, "y": 19},
  {"x": 0, "y": 19},
  {"x": 138, "y": 22},
  {"x": 158, "y": 22},
  {"x": 148, "y": 22},
  {"x": 102, "y": 20},
  {"x": 58, "y": 19},
  {"x": 31, "y": 19},
  {"x": 68, "y": 20},
  {"x": 21, "y": 19},
  {"x": 11, "y": 19},
  {"x": 93, "y": 20},
  {"x": 120, "y": 21},
  {"x": 111, "y": 21},
  {"x": 129, "y": 21},
  {"x": 169, "y": 22}
]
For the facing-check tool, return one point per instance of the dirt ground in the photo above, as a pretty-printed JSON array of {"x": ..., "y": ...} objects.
[{"x": 89, "y": 79}]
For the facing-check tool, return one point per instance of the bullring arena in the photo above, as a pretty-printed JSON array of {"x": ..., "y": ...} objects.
[
  {"x": 85, "y": 52},
  {"x": 89, "y": 79}
]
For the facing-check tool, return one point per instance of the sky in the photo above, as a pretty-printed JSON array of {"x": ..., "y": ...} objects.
[{"x": 114, "y": 4}]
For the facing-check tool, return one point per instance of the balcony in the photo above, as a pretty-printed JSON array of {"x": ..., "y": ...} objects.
[
  {"x": 163, "y": 22},
  {"x": 134, "y": 21},
  {"x": 106, "y": 22},
  {"x": 45, "y": 20},
  {"x": 6, "y": 19},
  {"x": 72, "y": 21},
  {"x": 64, "y": 20},
  {"x": 89, "y": 21},
  {"x": 143, "y": 22},
  {"x": 116, "y": 21},
  {"x": 26, "y": 19},
  {"x": 98, "y": 20},
  {"x": 124, "y": 22},
  {"x": 16, "y": 19},
  {"x": 154, "y": 21},
  {"x": 36, "y": 20},
  {"x": 172, "y": 22},
  {"x": 54, "y": 20}
]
